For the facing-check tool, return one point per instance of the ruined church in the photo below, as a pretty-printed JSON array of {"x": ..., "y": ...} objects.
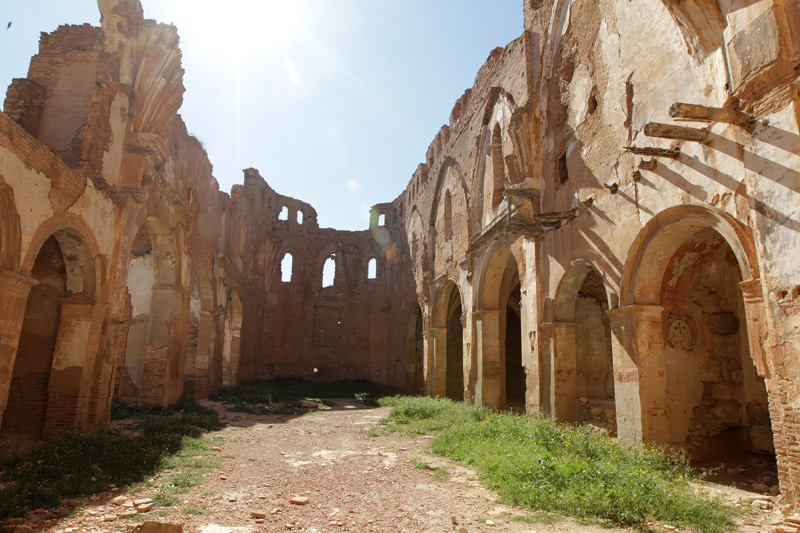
[{"x": 607, "y": 231}]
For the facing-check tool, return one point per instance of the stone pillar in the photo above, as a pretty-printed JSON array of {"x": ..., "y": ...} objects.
[
  {"x": 205, "y": 354},
  {"x": 75, "y": 349},
  {"x": 14, "y": 289},
  {"x": 161, "y": 381},
  {"x": 439, "y": 336},
  {"x": 640, "y": 380},
  {"x": 490, "y": 372},
  {"x": 753, "y": 297},
  {"x": 566, "y": 404}
]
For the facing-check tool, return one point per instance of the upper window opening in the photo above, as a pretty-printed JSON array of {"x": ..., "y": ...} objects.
[
  {"x": 563, "y": 173},
  {"x": 448, "y": 215},
  {"x": 286, "y": 268},
  {"x": 329, "y": 271},
  {"x": 284, "y": 214},
  {"x": 382, "y": 219},
  {"x": 299, "y": 217},
  {"x": 372, "y": 268}
]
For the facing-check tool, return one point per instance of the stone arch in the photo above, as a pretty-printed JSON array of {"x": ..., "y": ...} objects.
[
  {"x": 448, "y": 342},
  {"x": 497, "y": 161},
  {"x": 60, "y": 331},
  {"x": 85, "y": 266},
  {"x": 231, "y": 337},
  {"x": 583, "y": 370},
  {"x": 499, "y": 332},
  {"x": 646, "y": 263},
  {"x": 415, "y": 346},
  {"x": 690, "y": 335},
  {"x": 151, "y": 371},
  {"x": 456, "y": 244},
  {"x": 9, "y": 230}
]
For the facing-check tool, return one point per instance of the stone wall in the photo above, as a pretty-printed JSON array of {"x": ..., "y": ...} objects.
[
  {"x": 550, "y": 151},
  {"x": 167, "y": 285}
]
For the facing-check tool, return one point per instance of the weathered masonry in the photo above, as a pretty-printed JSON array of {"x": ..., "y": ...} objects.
[{"x": 606, "y": 231}]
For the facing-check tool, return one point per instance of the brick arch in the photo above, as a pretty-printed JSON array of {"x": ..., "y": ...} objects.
[
  {"x": 646, "y": 262},
  {"x": 85, "y": 268}
]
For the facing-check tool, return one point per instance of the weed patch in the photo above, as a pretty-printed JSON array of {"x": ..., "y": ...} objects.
[
  {"x": 570, "y": 470},
  {"x": 76, "y": 465}
]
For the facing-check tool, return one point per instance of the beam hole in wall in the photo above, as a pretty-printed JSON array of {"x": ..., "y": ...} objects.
[{"x": 286, "y": 268}]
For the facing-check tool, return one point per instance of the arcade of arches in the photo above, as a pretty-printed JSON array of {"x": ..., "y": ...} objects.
[{"x": 604, "y": 234}]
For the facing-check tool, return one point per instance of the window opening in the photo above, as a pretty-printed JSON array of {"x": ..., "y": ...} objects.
[
  {"x": 329, "y": 271},
  {"x": 286, "y": 268},
  {"x": 372, "y": 268}
]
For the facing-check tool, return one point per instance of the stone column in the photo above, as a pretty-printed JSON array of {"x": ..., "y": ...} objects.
[
  {"x": 439, "y": 336},
  {"x": 753, "y": 296},
  {"x": 566, "y": 404},
  {"x": 490, "y": 373},
  {"x": 14, "y": 289},
  {"x": 160, "y": 374},
  {"x": 75, "y": 349},
  {"x": 640, "y": 381},
  {"x": 206, "y": 336}
]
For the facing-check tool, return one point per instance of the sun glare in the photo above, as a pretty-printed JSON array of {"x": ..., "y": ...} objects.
[{"x": 237, "y": 29}]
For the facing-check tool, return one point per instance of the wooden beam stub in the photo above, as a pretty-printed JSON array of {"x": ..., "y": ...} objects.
[
  {"x": 670, "y": 131},
  {"x": 672, "y": 153},
  {"x": 680, "y": 110}
]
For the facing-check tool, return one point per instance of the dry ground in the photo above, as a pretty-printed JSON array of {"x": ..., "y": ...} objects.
[{"x": 353, "y": 481}]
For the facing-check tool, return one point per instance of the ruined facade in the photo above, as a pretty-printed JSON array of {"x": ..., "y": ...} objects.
[{"x": 605, "y": 232}]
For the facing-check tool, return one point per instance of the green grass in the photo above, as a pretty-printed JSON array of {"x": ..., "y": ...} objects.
[
  {"x": 293, "y": 389},
  {"x": 76, "y": 465},
  {"x": 570, "y": 470}
]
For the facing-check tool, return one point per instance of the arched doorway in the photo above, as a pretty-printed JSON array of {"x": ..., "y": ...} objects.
[
  {"x": 448, "y": 343},
  {"x": 27, "y": 400},
  {"x": 455, "y": 348},
  {"x": 150, "y": 374},
  {"x": 515, "y": 373},
  {"x": 415, "y": 370},
  {"x": 231, "y": 339},
  {"x": 717, "y": 404},
  {"x": 499, "y": 328},
  {"x": 698, "y": 341},
  {"x": 584, "y": 371}
]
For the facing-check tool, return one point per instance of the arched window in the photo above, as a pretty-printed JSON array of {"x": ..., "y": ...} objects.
[
  {"x": 299, "y": 217},
  {"x": 329, "y": 271},
  {"x": 448, "y": 215},
  {"x": 498, "y": 165},
  {"x": 286, "y": 268},
  {"x": 372, "y": 268},
  {"x": 284, "y": 214}
]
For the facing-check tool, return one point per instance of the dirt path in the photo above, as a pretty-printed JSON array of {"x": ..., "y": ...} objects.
[{"x": 353, "y": 482}]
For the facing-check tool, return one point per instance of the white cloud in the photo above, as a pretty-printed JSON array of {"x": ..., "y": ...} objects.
[
  {"x": 290, "y": 69},
  {"x": 353, "y": 186}
]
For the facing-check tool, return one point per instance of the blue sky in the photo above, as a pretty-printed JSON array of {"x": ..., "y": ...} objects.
[{"x": 335, "y": 102}]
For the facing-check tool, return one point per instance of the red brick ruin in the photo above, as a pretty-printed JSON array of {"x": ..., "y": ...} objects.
[{"x": 604, "y": 232}]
